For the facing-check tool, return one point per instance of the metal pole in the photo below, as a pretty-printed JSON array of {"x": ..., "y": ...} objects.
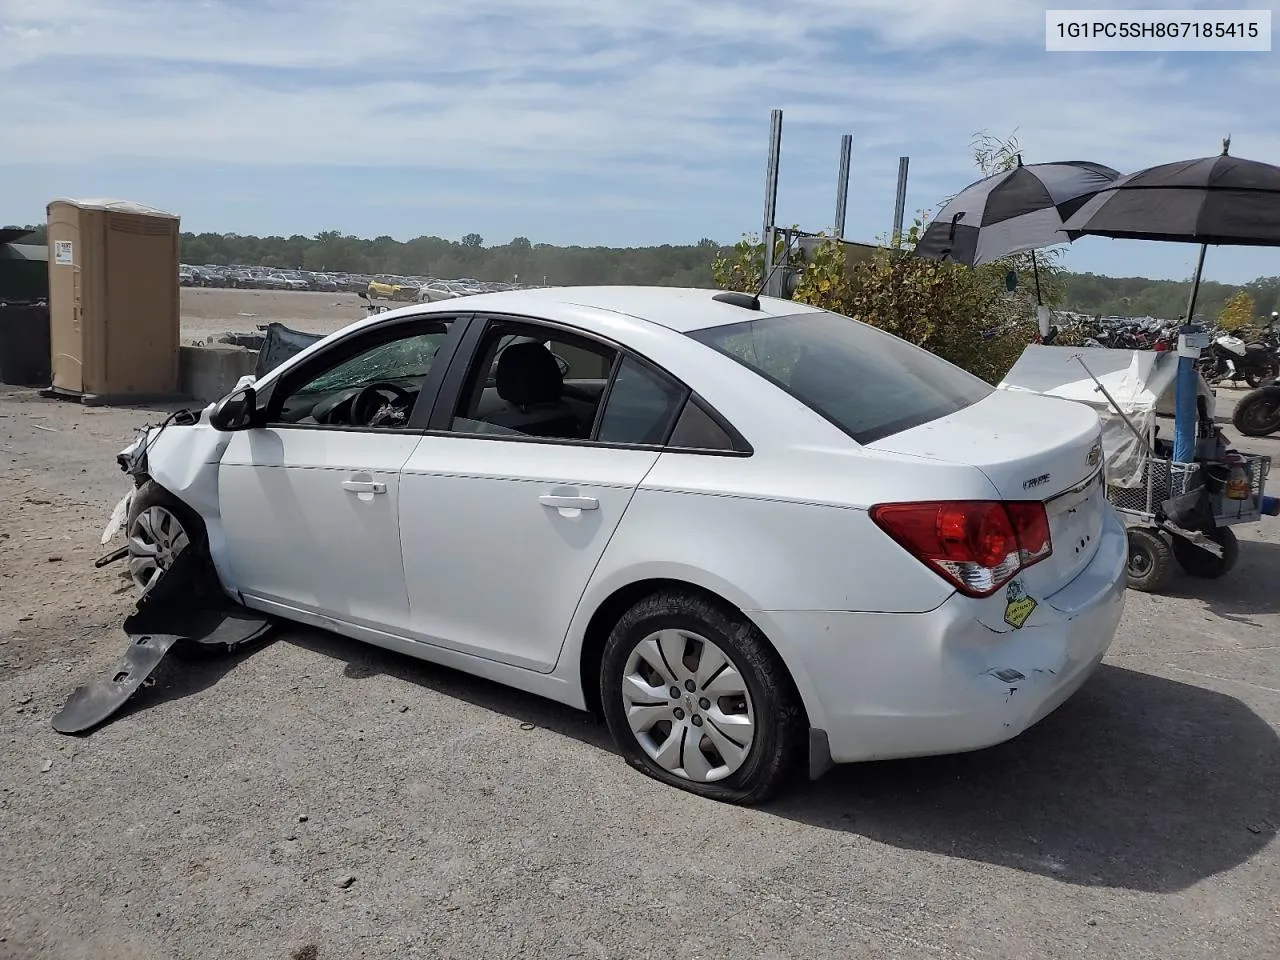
[
  {"x": 842, "y": 185},
  {"x": 1195, "y": 283},
  {"x": 1186, "y": 386},
  {"x": 771, "y": 188},
  {"x": 900, "y": 205}
]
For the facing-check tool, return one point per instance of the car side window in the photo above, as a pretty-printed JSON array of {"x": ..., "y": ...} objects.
[
  {"x": 697, "y": 430},
  {"x": 371, "y": 387},
  {"x": 533, "y": 381},
  {"x": 642, "y": 405}
]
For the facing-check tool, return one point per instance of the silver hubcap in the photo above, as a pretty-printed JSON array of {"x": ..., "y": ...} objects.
[
  {"x": 156, "y": 537},
  {"x": 688, "y": 705}
]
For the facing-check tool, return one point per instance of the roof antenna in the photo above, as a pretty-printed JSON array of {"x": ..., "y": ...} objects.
[
  {"x": 1226, "y": 144},
  {"x": 1019, "y": 156},
  {"x": 786, "y": 256},
  {"x": 751, "y": 301}
]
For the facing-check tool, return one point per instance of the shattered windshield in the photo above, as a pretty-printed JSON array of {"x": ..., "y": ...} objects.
[{"x": 410, "y": 358}]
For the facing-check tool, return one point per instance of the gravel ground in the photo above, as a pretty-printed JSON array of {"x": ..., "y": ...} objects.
[
  {"x": 319, "y": 798},
  {"x": 208, "y": 312}
]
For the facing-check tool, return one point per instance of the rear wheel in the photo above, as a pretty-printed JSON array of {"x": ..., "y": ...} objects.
[
  {"x": 1199, "y": 562},
  {"x": 160, "y": 527},
  {"x": 695, "y": 697},
  {"x": 1150, "y": 559},
  {"x": 1269, "y": 371}
]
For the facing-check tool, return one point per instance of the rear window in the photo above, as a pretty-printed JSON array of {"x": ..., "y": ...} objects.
[{"x": 868, "y": 383}]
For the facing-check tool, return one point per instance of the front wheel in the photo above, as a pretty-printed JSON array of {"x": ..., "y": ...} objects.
[
  {"x": 695, "y": 697},
  {"x": 160, "y": 526},
  {"x": 1150, "y": 559},
  {"x": 1199, "y": 562},
  {"x": 1258, "y": 414}
]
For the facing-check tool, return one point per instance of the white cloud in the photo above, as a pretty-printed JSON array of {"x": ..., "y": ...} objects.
[{"x": 661, "y": 97}]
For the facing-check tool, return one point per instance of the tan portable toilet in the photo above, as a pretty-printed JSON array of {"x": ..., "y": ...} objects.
[{"x": 114, "y": 301}]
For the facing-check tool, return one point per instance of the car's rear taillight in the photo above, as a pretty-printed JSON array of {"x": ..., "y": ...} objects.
[{"x": 977, "y": 545}]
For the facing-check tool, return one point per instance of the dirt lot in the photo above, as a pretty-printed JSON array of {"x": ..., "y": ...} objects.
[
  {"x": 320, "y": 794},
  {"x": 209, "y": 312}
]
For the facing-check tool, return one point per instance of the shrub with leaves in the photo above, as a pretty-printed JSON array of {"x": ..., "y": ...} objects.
[
  {"x": 1237, "y": 314},
  {"x": 961, "y": 314}
]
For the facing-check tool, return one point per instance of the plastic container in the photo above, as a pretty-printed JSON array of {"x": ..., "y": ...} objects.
[{"x": 24, "y": 344}]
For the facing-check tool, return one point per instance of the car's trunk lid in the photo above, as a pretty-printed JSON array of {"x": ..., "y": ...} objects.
[{"x": 1030, "y": 447}]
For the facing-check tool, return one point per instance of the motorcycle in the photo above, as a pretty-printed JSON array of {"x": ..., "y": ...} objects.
[
  {"x": 1230, "y": 357},
  {"x": 1258, "y": 412}
]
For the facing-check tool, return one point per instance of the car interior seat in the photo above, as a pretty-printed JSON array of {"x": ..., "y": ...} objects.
[{"x": 529, "y": 380}]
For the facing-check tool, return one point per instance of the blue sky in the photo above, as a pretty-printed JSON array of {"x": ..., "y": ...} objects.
[{"x": 588, "y": 121}]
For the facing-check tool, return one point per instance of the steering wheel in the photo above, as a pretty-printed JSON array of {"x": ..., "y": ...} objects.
[{"x": 372, "y": 398}]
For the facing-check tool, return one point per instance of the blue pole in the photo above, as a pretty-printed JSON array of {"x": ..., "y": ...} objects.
[{"x": 1186, "y": 414}]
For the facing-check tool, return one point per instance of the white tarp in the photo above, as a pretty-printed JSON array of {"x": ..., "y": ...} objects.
[{"x": 1140, "y": 381}]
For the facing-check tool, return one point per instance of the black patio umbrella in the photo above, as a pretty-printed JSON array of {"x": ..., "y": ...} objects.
[
  {"x": 1012, "y": 212},
  {"x": 1218, "y": 201}
]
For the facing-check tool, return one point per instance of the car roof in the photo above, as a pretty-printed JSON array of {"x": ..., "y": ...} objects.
[{"x": 681, "y": 309}]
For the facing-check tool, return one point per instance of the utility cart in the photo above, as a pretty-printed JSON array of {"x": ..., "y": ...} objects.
[{"x": 1176, "y": 513}]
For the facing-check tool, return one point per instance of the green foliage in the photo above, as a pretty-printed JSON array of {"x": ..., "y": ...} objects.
[
  {"x": 1139, "y": 297},
  {"x": 961, "y": 315},
  {"x": 1237, "y": 313},
  {"x": 685, "y": 265}
]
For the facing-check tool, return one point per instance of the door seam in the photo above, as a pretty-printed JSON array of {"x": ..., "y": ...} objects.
[{"x": 596, "y": 566}]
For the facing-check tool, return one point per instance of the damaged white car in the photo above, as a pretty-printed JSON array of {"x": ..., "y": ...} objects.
[{"x": 750, "y": 532}]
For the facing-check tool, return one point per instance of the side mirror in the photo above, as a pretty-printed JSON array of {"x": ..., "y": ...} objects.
[{"x": 234, "y": 411}]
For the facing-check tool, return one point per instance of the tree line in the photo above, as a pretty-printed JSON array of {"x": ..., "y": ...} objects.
[{"x": 687, "y": 265}]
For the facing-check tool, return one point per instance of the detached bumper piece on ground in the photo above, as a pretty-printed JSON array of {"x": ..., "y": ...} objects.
[{"x": 185, "y": 613}]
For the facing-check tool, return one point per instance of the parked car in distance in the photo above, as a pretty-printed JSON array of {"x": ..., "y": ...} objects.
[
  {"x": 432, "y": 292},
  {"x": 759, "y": 537},
  {"x": 386, "y": 287},
  {"x": 323, "y": 283}
]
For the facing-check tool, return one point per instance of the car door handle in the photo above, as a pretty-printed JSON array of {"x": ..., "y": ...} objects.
[
  {"x": 363, "y": 486},
  {"x": 569, "y": 503}
]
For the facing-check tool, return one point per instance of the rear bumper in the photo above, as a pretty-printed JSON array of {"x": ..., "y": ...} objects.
[{"x": 881, "y": 685}]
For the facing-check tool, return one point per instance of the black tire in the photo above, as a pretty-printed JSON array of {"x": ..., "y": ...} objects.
[
  {"x": 1150, "y": 559},
  {"x": 151, "y": 494},
  {"x": 1257, "y": 378},
  {"x": 780, "y": 727},
  {"x": 1201, "y": 563},
  {"x": 1258, "y": 414}
]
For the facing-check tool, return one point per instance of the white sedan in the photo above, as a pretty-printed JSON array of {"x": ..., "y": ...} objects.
[{"x": 755, "y": 535}]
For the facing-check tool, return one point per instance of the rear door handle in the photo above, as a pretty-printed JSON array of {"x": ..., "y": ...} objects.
[
  {"x": 363, "y": 486},
  {"x": 569, "y": 503}
]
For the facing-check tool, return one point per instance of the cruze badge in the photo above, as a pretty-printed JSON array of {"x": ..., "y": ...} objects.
[
  {"x": 1095, "y": 455},
  {"x": 1034, "y": 482}
]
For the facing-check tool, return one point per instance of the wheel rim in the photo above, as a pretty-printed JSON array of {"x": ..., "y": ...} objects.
[
  {"x": 156, "y": 537},
  {"x": 1139, "y": 563},
  {"x": 688, "y": 706}
]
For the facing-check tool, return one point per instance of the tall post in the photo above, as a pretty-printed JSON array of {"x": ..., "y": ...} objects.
[
  {"x": 842, "y": 186},
  {"x": 1186, "y": 387},
  {"x": 771, "y": 189},
  {"x": 900, "y": 205}
]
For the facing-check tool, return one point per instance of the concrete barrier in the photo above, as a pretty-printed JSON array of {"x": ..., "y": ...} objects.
[{"x": 208, "y": 373}]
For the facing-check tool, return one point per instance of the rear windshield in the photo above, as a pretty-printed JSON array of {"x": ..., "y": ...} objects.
[{"x": 868, "y": 383}]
